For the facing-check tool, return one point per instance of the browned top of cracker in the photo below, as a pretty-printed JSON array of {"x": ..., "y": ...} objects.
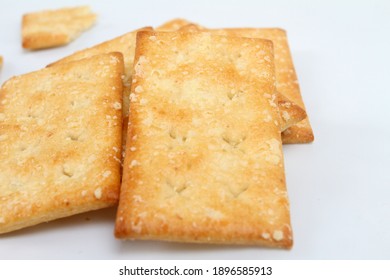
[
  {"x": 286, "y": 77},
  {"x": 203, "y": 158},
  {"x": 53, "y": 28},
  {"x": 290, "y": 112},
  {"x": 124, "y": 44},
  {"x": 60, "y": 138}
]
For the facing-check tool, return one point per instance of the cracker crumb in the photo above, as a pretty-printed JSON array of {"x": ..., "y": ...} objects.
[
  {"x": 98, "y": 193},
  {"x": 285, "y": 115},
  {"x": 117, "y": 106},
  {"x": 277, "y": 235},
  {"x": 138, "y": 66},
  {"x": 133, "y": 163},
  {"x": 132, "y": 149},
  {"x": 266, "y": 235},
  {"x": 133, "y": 97},
  {"x": 106, "y": 173}
]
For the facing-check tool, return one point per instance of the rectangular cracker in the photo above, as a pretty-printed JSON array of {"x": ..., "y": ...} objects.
[
  {"x": 124, "y": 44},
  {"x": 60, "y": 138},
  {"x": 52, "y": 28},
  {"x": 203, "y": 158},
  {"x": 290, "y": 113},
  {"x": 286, "y": 77}
]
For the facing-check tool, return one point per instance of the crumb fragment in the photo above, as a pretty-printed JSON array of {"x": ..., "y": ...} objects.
[
  {"x": 117, "y": 106},
  {"x": 98, "y": 193},
  {"x": 277, "y": 235},
  {"x": 266, "y": 235},
  {"x": 53, "y": 28}
]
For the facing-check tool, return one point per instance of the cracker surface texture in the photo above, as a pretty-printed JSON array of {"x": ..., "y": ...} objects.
[
  {"x": 53, "y": 28},
  {"x": 290, "y": 113},
  {"x": 60, "y": 139},
  {"x": 124, "y": 44},
  {"x": 204, "y": 160},
  {"x": 286, "y": 77}
]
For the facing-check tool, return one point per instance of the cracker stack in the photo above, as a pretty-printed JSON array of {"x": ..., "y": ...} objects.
[{"x": 205, "y": 113}]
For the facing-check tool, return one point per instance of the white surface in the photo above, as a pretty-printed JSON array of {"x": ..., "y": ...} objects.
[{"x": 339, "y": 186}]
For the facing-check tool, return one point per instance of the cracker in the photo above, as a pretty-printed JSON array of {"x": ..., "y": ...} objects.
[
  {"x": 203, "y": 158},
  {"x": 173, "y": 24},
  {"x": 290, "y": 112},
  {"x": 1, "y": 62},
  {"x": 124, "y": 44},
  {"x": 52, "y": 28},
  {"x": 286, "y": 77},
  {"x": 60, "y": 138}
]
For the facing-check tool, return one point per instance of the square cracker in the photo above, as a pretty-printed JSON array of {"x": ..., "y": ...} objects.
[
  {"x": 286, "y": 77},
  {"x": 203, "y": 161},
  {"x": 60, "y": 138},
  {"x": 52, "y": 28}
]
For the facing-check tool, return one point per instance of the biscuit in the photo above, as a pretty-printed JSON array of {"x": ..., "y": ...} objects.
[
  {"x": 204, "y": 159},
  {"x": 124, "y": 44},
  {"x": 52, "y": 28},
  {"x": 60, "y": 138},
  {"x": 290, "y": 112},
  {"x": 286, "y": 77}
]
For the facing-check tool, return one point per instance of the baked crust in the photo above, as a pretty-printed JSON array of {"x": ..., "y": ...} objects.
[
  {"x": 290, "y": 113},
  {"x": 60, "y": 137},
  {"x": 124, "y": 44},
  {"x": 286, "y": 77},
  {"x": 295, "y": 123},
  {"x": 204, "y": 161},
  {"x": 52, "y": 28}
]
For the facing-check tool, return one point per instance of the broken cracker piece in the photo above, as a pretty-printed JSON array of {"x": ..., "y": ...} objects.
[
  {"x": 53, "y": 28},
  {"x": 60, "y": 138},
  {"x": 203, "y": 161}
]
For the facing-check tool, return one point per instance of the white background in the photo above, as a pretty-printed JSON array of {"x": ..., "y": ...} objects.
[{"x": 339, "y": 186}]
